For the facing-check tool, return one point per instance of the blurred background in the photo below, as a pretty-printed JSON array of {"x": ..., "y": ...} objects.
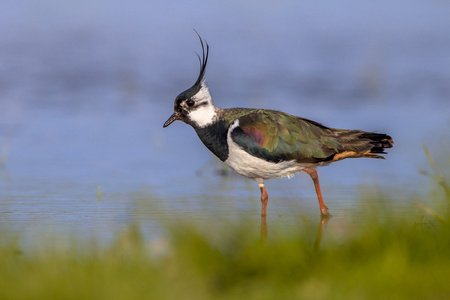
[{"x": 85, "y": 87}]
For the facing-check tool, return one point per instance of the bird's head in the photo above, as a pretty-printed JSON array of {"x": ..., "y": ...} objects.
[{"x": 194, "y": 106}]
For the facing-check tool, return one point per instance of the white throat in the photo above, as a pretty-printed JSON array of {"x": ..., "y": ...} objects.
[{"x": 205, "y": 112}]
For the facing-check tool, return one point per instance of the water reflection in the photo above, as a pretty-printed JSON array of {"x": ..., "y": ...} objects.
[
  {"x": 263, "y": 228},
  {"x": 320, "y": 230},
  {"x": 323, "y": 221}
]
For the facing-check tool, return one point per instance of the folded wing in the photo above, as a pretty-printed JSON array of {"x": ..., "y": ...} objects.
[{"x": 276, "y": 136}]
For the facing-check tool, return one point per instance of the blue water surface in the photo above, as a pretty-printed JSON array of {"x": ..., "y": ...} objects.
[{"x": 86, "y": 86}]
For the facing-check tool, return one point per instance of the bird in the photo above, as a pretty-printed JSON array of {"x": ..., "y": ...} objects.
[{"x": 263, "y": 144}]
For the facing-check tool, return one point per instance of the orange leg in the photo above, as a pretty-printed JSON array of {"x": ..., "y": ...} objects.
[
  {"x": 264, "y": 199},
  {"x": 323, "y": 209}
]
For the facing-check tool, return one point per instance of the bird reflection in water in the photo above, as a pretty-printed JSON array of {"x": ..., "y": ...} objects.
[{"x": 323, "y": 221}]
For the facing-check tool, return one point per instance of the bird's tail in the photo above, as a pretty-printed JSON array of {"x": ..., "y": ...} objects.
[{"x": 356, "y": 143}]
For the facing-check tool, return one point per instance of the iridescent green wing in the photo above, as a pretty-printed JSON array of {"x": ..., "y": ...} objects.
[{"x": 276, "y": 136}]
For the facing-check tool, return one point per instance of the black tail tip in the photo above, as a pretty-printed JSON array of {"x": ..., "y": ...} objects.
[{"x": 380, "y": 141}]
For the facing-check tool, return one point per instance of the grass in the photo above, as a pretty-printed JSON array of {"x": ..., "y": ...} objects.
[{"x": 385, "y": 258}]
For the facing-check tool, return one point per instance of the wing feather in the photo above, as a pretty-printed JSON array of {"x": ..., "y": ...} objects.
[{"x": 277, "y": 136}]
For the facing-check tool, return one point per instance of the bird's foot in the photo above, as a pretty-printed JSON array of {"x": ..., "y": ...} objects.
[{"x": 324, "y": 213}]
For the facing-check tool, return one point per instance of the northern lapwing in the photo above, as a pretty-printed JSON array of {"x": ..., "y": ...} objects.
[{"x": 263, "y": 144}]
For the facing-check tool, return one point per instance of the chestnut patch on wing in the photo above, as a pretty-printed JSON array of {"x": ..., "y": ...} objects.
[{"x": 256, "y": 135}]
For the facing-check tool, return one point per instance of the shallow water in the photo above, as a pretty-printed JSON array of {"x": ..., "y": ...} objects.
[{"x": 85, "y": 89}]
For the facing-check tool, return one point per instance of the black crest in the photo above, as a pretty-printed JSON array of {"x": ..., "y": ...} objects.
[{"x": 203, "y": 60}]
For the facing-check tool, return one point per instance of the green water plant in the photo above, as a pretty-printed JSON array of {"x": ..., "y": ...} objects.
[{"x": 389, "y": 258}]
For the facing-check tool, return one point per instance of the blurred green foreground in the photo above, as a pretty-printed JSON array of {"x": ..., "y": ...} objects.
[{"x": 388, "y": 258}]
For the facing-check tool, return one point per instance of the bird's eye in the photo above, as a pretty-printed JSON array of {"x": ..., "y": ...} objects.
[{"x": 190, "y": 103}]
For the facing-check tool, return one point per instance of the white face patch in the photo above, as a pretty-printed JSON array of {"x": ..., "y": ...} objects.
[
  {"x": 205, "y": 112},
  {"x": 203, "y": 94}
]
